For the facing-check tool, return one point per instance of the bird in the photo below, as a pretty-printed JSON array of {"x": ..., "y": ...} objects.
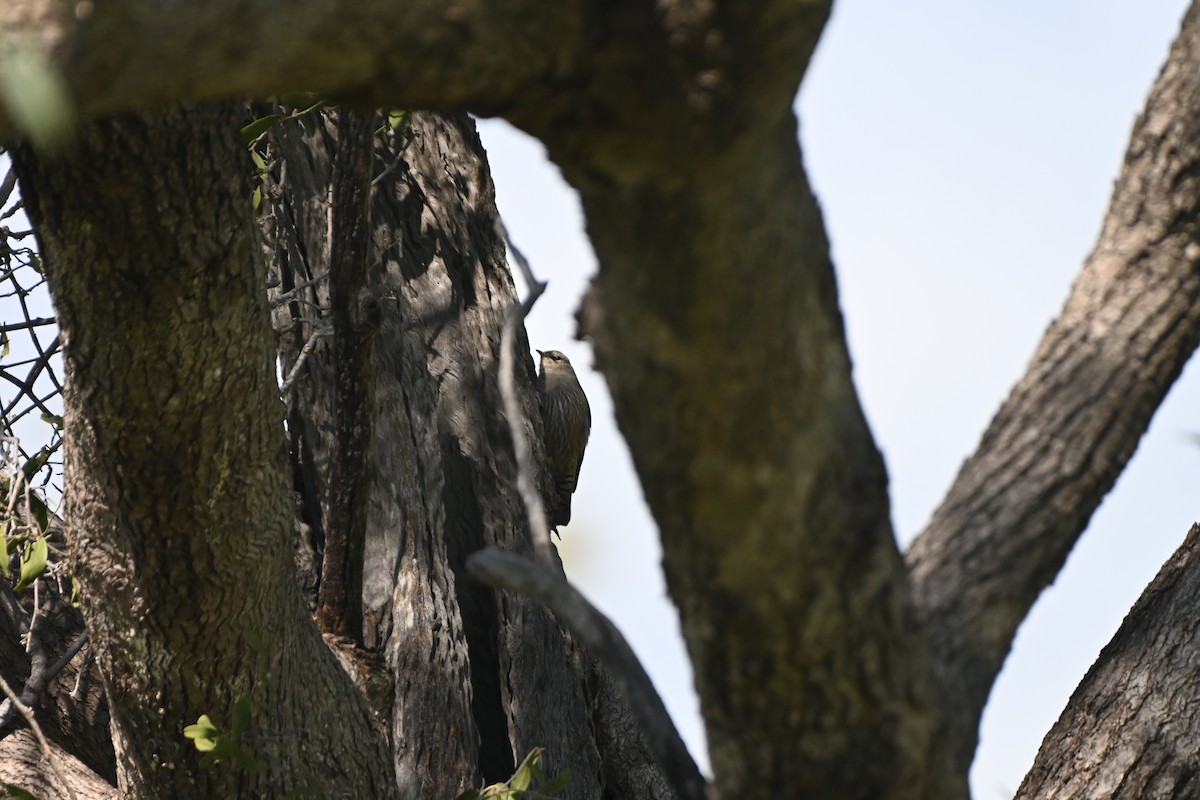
[{"x": 566, "y": 423}]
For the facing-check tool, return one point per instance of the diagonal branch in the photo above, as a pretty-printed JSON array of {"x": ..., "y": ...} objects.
[
  {"x": 509, "y": 571},
  {"x": 1058, "y": 443}
]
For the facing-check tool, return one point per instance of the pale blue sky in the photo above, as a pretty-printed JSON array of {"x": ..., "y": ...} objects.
[{"x": 963, "y": 154}]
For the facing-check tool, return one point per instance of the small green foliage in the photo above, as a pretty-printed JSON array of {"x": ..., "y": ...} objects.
[
  {"x": 527, "y": 783},
  {"x": 397, "y": 120},
  {"x": 218, "y": 746},
  {"x": 36, "y": 462},
  {"x": 33, "y": 563},
  {"x": 258, "y": 127},
  {"x": 5, "y": 545},
  {"x": 204, "y": 734},
  {"x": 53, "y": 419}
]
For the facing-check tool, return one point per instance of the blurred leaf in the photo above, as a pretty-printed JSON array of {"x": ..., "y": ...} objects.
[
  {"x": 241, "y": 716},
  {"x": 469, "y": 794},
  {"x": 14, "y": 792},
  {"x": 557, "y": 783},
  {"x": 41, "y": 513},
  {"x": 298, "y": 100},
  {"x": 35, "y": 95},
  {"x": 244, "y": 759},
  {"x": 5, "y": 344},
  {"x": 53, "y": 419},
  {"x": 35, "y": 463},
  {"x": 74, "y": 592},
  {"x": 33, "y": 564},
  {"x": 5, "y": 568}
]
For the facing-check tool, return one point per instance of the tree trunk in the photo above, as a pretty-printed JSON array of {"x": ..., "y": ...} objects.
[
  {"x": 179, "y": 519},
  {"x": 482, "y": 678}
]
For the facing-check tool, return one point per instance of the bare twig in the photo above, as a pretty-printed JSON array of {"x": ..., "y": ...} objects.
[
  {"x": 526, "y": 484},
  {"x": 305, "y": 352},
  {"x": 287, "y": 296},
  {"x": 510, "y": 571}
]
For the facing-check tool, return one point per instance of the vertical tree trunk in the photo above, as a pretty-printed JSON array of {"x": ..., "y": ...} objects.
[
  {"x": 177, "y": 505},
  {"x": 481, "y": 679}
]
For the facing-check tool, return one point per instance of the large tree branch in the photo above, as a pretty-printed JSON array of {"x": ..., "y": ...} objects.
[
  {"x": 135, "y": 54},
  {"x": 1130, "y": 730},
  {"x": 1070, "y": 425}
]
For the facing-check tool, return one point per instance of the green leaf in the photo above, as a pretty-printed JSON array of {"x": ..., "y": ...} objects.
[
  {"x": 53, "y": 419},
  {"x": 258, "y": 127},
  {"x": 259, "y": 164},
  {"x": 297, "y": 100},
  {"x": 257, "y": 197},
  {"x": 35, "y": 463},
  {"x": 521, "y": 779},
  {"x": 33, "y": 564},
  {"x": 557, "y": 783},
  {"x": 74, "y": 593},
  {"x": 205, "y": 745},
  {"x": 5, "y": 566},
  {"x": 41, "y": 513},
  {"x": 204, "y": 734},
  {"x": 397, "y": 118}
]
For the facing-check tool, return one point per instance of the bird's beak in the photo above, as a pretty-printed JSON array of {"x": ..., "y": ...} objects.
[{"x": 540, "y": 352}]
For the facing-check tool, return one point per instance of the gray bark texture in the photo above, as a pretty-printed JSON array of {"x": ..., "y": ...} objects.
[
  {"x": 1070, "y": 425},
  {"x": 1130, "y": 729},
  {"x": 482, "y": 678},
  {"x": 828, "y": 665},
  {"x": 177, "y": 517}
]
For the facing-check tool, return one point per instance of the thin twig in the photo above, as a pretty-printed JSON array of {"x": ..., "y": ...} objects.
[
  {"x": 510, "y": 571},
  {"x": 287, "y": 296},
  {"x": 300, "y": 359},
  {"x": 526, "y": 484}
]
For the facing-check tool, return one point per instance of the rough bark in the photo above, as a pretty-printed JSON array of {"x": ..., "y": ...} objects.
[
  {"x": 178, "y": 515},
  {"x": 481, "y": 678},
  {"x": 70, "y": 708},
  {"x": 1070, "y": 425},
  {"x": 751, "y": 446},
  {"x": 1130, "y": 729},
  {"x": 25, "y": 765}
]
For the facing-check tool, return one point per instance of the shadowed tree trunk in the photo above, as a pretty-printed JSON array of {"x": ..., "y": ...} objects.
[{"x": 468, "y": 681}]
